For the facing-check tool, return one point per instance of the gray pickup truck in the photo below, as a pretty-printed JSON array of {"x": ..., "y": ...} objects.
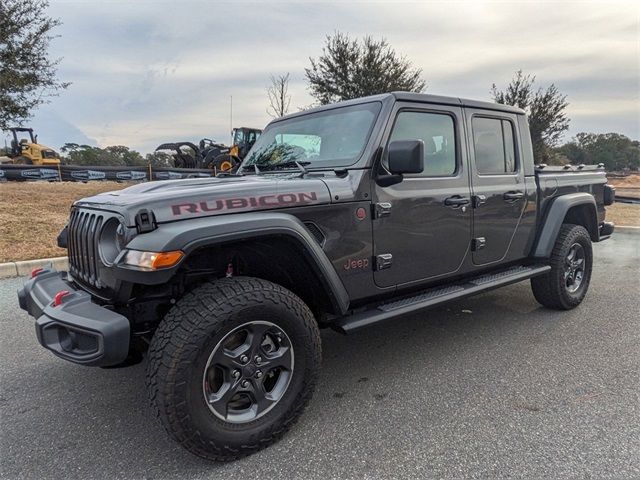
[{"x": 341, "y": 216}]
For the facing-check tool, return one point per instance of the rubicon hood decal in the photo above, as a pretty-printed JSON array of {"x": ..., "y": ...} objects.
[
  {"x": 181, "y": 199},
  {"x": 240, "y": 203}
]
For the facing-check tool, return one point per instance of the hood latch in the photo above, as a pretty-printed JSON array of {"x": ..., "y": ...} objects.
[{"x": 145, "y": 221}]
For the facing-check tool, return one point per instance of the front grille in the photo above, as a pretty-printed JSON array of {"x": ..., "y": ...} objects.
[{"x": 84, "y": 235}]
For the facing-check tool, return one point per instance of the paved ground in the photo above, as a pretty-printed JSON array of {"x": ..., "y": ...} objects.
[{"x": 493, "y": 386}]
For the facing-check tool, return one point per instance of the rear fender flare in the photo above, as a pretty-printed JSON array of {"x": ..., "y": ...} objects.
[
  {"x": 189, "y": 235},
  {"x": 555, "y": 217}
]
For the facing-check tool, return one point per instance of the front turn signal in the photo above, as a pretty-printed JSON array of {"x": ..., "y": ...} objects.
[{"x": 152, "y": 260}]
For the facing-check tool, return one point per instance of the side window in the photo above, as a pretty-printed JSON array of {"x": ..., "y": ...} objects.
[
  {"x": 494, "y": 146},
  {"x": 437, "y": 132}
]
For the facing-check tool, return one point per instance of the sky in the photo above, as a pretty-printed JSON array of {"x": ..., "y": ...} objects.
[{"x": 147, "y": 72}]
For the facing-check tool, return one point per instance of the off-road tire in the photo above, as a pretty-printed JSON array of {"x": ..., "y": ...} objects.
[
  {"x": 22, "y": 160},
  {"x": 550, "y": 289},
  {"x": 183, "y": 342}
]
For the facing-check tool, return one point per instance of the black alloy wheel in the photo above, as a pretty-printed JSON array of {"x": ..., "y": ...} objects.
[
  {"x": 574, "y": 267},
  {"x": 248, "y": 372}
]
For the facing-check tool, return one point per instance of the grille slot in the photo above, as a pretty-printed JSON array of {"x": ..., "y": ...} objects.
[{"x": 84, "y": 235}]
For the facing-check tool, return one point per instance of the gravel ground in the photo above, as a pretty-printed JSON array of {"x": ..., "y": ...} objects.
[{"x": 489, "y": 387}]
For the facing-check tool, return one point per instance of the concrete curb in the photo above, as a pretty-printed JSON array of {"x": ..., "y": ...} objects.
[{"x": 23, "y": 268}]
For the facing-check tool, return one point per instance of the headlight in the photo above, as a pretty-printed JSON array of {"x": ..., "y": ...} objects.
[
  {"x": 152, "y": 260},
  {"x": 112, "y": 240}
]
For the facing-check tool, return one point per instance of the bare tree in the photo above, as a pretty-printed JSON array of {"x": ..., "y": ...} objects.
[{"x": 279, "y": 98}]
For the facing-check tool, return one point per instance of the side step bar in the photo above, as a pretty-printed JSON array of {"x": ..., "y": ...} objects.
[{"x": 438, "y": 295}]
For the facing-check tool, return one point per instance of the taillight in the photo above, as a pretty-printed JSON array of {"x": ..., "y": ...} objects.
[{"x": 609, "y": 195}]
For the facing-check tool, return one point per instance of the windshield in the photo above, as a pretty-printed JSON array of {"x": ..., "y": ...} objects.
[{"x": 330, "y": 138}]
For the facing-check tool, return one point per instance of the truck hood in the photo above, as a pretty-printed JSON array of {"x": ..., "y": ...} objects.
[{"x": 171, "y": 200}]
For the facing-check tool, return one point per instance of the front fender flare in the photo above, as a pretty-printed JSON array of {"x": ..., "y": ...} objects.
[
  {"x": 189, "y": 235},
  {"x": 554, "y": 218}
]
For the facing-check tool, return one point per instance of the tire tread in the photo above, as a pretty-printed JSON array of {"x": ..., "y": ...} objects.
[
  {"x": 547, "y": 289},
  {"x": 190, "y": 318}
]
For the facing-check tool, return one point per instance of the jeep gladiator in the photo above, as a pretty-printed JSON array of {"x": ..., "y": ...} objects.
[{"x": 342, "y": 216}]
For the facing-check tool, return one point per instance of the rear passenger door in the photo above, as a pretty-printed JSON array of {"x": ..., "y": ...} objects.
[{"x": 497, "y": 183}]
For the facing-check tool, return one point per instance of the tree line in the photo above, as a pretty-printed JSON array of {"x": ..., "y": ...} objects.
[
  {"x": 347, "y": 68},
  {"x": 617, "y": 152},
  {"x": 116, "y": 155}
]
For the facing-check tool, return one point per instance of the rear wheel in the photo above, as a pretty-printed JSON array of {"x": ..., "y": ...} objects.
[
  {"x": 232, "y": 366},
  {"x": 566, "y": 285},
  {"x": 22, "y": 160}
]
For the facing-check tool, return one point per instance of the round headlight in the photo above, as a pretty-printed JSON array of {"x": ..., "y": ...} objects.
[{"x": 112, "y": 240}]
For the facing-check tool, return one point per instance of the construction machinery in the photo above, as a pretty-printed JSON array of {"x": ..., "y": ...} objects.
[
  {"x": 210, "y": 154},
  {"x": 243, "y": 140},
  {"x": 27, "y": 151}
]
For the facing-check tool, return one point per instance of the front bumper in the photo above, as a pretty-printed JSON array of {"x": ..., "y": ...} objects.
[{"x": 77, "y": 329}]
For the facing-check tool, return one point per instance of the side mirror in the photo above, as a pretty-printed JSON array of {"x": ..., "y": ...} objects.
[{"x": 406, "y": 156}]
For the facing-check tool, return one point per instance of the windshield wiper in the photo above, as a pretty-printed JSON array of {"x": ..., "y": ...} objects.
[
  {"x": 242, "y": 168},
  {"x": 288, "y": 164}
]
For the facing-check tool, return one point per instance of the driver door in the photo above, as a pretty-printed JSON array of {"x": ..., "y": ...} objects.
[{"x": 422, "y": 228}]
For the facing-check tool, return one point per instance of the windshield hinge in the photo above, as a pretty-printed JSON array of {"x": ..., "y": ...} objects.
[{"x": 382, "y": 209}]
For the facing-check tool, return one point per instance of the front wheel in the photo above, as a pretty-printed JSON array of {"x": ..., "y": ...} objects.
[
  {"x": 232, "y": 366},
  {"x": 566, "y": 285}
]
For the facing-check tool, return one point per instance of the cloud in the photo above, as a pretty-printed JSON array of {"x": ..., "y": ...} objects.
[
  {"x": 147, "y": 72},
  {"x": 54, "y": 130}
]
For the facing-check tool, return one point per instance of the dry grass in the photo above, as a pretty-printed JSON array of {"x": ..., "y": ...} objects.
[
  {"x": 32, "y": 214},
  {"x": 628, "y": 186},
  {"x": 624, "y": 214}
]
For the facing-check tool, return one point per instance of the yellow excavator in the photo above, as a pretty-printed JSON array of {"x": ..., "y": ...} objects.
[{"x": 27, "y": 150}]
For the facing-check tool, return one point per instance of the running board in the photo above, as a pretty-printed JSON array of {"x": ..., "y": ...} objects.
[{"x": 438, "y": 295}]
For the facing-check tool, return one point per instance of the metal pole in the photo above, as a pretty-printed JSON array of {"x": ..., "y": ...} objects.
[{"x": 231, "y": 118}]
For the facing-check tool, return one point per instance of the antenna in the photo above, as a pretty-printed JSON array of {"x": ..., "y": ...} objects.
[{"x": 231, "y": 118}]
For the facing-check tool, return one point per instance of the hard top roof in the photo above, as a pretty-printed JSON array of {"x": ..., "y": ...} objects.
[
  {"x": 415, "y": 98},
  {"x": 427, "y": 98}
]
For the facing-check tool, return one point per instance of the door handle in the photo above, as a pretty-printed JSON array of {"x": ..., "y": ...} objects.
[
  {"x": 513, "y": 196},
  {"x": 456, "y": 201}
]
